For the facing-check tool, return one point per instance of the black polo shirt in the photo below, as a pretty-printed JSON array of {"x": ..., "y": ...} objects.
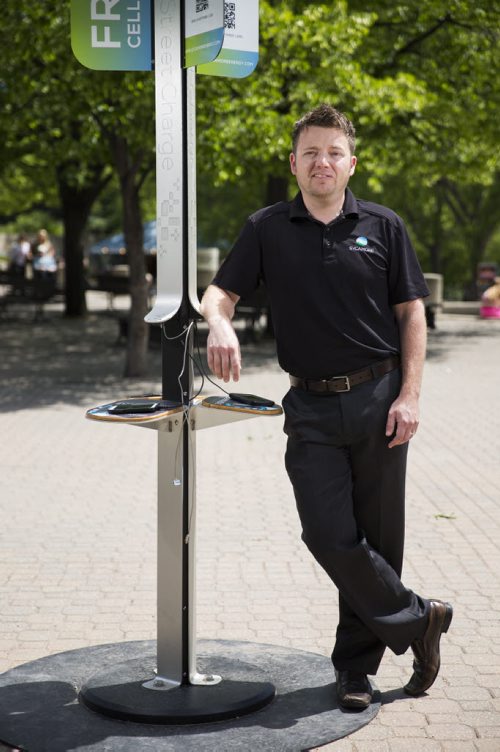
[{"x": 331, "y": 287}]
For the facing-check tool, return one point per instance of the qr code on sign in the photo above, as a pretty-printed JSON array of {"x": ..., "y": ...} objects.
[
  {"x": 230, "y": 15},
  {"x": 201, "y": 6}
]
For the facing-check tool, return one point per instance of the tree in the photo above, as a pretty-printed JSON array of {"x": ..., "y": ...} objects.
[
  {"x": 47, "y": 160},
  {"x": 450, "y": 160},
  {"x": 76, "y": 202},
  {"x": 305, "y": 57},
  {"x": 73, "y": 142},
  {"x": 124, "y": 116}
]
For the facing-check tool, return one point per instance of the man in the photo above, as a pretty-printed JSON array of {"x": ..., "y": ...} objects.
[{"x": 345, "y": 291}]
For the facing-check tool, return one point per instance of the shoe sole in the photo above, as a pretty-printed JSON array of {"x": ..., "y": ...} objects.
[
  {"x": 448, "y": 616},
  {"x": 354, "y": 704}
]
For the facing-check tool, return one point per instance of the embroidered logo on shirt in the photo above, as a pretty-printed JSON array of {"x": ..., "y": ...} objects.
[{"x": 361, "y": 245}]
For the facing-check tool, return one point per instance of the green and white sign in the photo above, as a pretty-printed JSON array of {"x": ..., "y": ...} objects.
[
  {"x": 112, "y": 34},
  {"x": 203, "y": 31},
  {"x": 240, "y": 51}
]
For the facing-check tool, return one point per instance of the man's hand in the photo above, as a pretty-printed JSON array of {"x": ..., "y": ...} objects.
[
  {"x": 402, "y": 419},
  {"x": 223, "y": 350},
  {"x": 403, "y": 414}
]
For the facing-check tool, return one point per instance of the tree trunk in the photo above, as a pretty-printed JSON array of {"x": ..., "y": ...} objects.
[
  {"x": 76, "y": 204},
  {"x": 136, "y": 361},
  {"x": 436, "y": 242},
  {"x": 476, "y": 211}
]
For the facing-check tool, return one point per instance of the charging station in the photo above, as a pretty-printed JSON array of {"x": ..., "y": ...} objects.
[{"x": 175, "y": 691}]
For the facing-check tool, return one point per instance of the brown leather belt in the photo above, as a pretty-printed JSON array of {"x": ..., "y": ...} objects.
[{"x": 345, "y": 383}]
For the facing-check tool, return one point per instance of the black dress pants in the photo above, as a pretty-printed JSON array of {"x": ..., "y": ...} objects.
[{"x": 350, "y": 489}]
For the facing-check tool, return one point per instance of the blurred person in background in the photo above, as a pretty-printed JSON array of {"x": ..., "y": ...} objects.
[
  {"x": 19, "y": 255},
  {"x": 490, "y": 301},
  {"x": 43, "y": 257}
]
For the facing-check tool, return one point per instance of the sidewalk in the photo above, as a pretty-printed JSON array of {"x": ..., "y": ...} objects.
[{"x": 78, "y": 510}]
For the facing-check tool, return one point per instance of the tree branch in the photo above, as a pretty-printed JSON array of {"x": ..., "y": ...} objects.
[
  {"x": 53, "y": 211},
  {"x": 455, "y": 201},
  {"x": 413, "y": 43}
]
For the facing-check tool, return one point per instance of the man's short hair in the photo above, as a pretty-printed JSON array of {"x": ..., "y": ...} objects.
[{"x": 325, "y": 116}]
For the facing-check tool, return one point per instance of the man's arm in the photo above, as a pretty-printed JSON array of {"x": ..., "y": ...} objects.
[
  {"x": 223, "y": 349},
  {"x": 404, "y": 414}
]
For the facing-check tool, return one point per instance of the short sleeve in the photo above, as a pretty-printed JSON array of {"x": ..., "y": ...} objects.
[
  {"x": 241, "y": 270},
  {"x": 406, "y": 281}
]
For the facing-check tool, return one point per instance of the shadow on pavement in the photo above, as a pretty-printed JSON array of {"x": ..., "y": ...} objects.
[
  {"x": 454, "y": 330},
  {"x": 81, "y": 361}
]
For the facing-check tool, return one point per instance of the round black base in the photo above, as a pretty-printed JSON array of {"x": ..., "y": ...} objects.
[
  {"x": 41, "y": 711},
  {"x": 119, "y": 692}
]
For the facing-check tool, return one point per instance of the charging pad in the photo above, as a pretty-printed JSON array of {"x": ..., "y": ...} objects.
[
  {"x": 102, "y": 412},
  {"x": 226, "y": 403}
]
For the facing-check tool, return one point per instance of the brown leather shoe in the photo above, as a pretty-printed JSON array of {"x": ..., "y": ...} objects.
[
  {"x": 353, "y": 690},
  {"x": 426, "y": 650}
]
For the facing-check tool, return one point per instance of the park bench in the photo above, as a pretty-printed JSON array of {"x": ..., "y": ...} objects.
[
  {"x": 18, "y": 290},
  {"x": 115, "y": 282}
]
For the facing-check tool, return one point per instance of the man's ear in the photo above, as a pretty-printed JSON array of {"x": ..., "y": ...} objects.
[
  {"x": 354, "y": 161},
  {"x": 293, "y": 163}
]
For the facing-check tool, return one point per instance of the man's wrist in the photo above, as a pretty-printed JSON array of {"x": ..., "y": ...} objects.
[
  {"x": 410, "y": 391},
  {"x": 217, "y": 318}
]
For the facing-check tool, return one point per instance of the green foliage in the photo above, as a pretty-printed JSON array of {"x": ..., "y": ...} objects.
[
  {"x": 56, "y": 115},
  {"x": 419, "y": 79}
]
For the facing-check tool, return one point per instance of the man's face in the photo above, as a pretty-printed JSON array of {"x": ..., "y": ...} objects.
[{"x": 322, "y": 162}]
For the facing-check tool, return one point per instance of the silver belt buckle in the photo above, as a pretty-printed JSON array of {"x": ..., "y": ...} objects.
[{"x": 347, "y": 384}]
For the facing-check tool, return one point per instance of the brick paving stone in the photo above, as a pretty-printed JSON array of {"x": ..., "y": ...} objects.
[
  {"x": 476, "y": 705},
  {"x": 480, "y": 719},
  {"x": 429, "y": 704},
  {"x": 450, "y": 731},
  {"x": 487, "y": 745},
  {"x": 490, "y": 732},
  {"x": 411, "y": 732},
  {"x": 404, "y": 718},
  {"x": 373, "y": 732},
  {"x": 412, "y": 745}
]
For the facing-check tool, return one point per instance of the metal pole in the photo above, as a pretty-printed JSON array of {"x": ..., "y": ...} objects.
[
  {"x": 176, "y": 301},
  {"x": 172, "y": 310}
]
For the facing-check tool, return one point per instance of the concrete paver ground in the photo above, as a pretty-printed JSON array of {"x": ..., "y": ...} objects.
[{"x": 78, "y": 510}]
